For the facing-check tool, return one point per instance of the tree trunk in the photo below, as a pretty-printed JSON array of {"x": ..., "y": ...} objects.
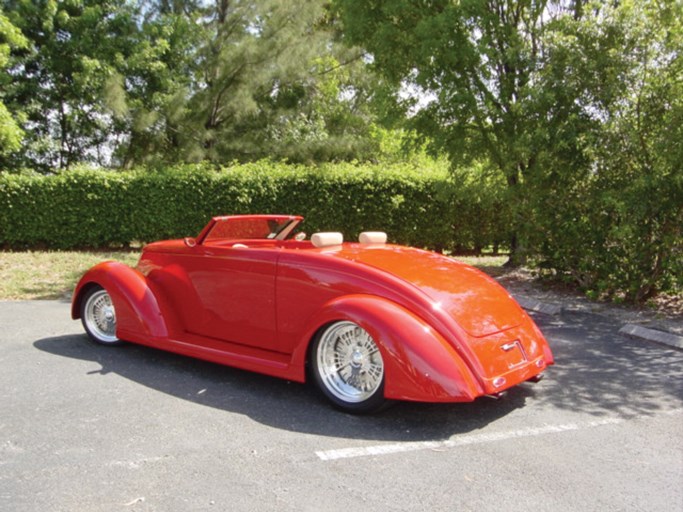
[
  {"x": 518, "y": 249},
  {"x": 518, "y": 254}
]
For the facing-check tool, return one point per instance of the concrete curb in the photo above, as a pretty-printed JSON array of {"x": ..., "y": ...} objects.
[
  {"x": 634, "y": 331},
  {"x": 539, "y": 307},
  {"x": 664, "y": 338}
]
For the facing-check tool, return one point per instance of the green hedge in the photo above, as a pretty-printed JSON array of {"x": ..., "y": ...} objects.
[{"x": 424, "y": 207}]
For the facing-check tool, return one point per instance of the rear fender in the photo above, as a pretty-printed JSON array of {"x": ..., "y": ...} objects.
[
  {"x": 137, "y": 309},
  {"x": 418, "y": 363}
]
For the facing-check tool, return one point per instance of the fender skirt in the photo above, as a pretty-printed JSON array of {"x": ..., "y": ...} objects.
[
  {"x": 419, "y": 364},
  {"x": 137, "y": 309}
]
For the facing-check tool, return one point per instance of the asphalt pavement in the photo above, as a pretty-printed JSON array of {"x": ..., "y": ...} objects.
[{"x": 89, "y": 428}]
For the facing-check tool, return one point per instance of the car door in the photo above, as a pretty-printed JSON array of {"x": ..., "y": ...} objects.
[{"x": 233, "y": 291}]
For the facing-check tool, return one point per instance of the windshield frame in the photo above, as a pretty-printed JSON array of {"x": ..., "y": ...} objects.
[{"x": 287, "y": 224}]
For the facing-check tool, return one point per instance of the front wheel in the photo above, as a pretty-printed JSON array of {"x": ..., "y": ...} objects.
[
  {"x": 348, "y": 367},
  {"x": 99, "y": 316}
]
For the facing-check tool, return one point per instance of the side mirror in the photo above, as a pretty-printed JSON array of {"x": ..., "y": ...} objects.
[{"x": 190, "y": 242}]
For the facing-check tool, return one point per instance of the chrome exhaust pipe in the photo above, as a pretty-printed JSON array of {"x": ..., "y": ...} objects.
[{"x": 497, "y": 396}]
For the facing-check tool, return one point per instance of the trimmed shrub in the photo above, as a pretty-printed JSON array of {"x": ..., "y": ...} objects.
[{"x": 425, "y": 207}]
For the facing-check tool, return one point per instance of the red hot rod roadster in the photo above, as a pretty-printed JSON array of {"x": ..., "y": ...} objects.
[{"x": 370, "y": 320}]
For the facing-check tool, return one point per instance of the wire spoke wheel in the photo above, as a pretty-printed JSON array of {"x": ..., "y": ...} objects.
[
  {"x": 99, "y": 317},
  {"x": 349, "y": 368}
]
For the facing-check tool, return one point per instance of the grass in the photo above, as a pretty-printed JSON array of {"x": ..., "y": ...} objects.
[
  {"x": 50, "y": 275},
  {"x": 53, "y": 274},
  {"x": 492, "y": 265}
]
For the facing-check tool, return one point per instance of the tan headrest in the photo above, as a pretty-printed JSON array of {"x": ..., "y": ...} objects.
[
  {"x": 373, "y": 237},
  {"x": 327, "y": 239}
]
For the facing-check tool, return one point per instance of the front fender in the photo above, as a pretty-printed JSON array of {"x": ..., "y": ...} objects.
[
  {"x": 137, "y": 309},
  {"x": 419, "y": 364}
]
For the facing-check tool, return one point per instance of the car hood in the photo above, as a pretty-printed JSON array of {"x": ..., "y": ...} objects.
[{"x": 475, "y": 301}]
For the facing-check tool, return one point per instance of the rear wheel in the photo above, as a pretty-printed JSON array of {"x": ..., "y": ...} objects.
[
  {"x": 99, "y": 316},
  {"x": 348, "y": 367}
]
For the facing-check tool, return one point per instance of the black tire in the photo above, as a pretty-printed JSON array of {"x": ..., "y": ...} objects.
[
  {"x": 348, "y": 368},
  {"x": 98, "y": 316}
]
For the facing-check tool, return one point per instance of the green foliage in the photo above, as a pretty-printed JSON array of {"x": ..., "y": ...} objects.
[
  {"x": 73, "y": 49},
  {"x": 146, "y": 96},
  {"x": 465, "y": 73},
  {"x": 122, "y": 84},
  {"x": 324, "y": 115},
  {"x": 10, "y": 132},
  {"x": 88, "y": 208},
  {"x": 607, "y": 201}
]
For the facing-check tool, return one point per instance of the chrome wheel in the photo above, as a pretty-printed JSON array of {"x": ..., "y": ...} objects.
[
  {"x": 349, "y": 367},
  {"x": 99, "y": 317}
]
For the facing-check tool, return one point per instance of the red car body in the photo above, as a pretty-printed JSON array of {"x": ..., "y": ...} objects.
[{"x": 244, "y": 296}]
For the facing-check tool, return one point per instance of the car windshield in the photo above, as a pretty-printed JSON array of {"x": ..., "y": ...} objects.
[{"x": 251, "y": 228}]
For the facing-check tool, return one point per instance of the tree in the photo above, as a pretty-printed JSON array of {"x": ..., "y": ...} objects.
[
  {"x": 10, "y": 132},
  {"x": 607, "y": 197},
  {"x": 323, "y": 115},
  {"x": 121, "y": 83},
  {"x": 59, "y": 80},
  {"x": 270, "y": 81},
  {"x": 147, "y": 97},
  {"x": 472, "y": 68}
]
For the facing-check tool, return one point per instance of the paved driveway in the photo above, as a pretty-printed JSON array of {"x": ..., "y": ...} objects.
[{"x": 95, "y": 428}]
